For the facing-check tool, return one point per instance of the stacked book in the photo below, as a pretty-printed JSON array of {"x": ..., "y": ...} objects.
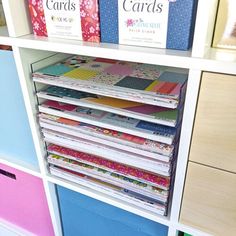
[{"x": 113, "y": 126}]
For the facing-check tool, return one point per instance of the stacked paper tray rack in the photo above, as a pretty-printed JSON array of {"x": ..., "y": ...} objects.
[{"x": 112, "y": 126}]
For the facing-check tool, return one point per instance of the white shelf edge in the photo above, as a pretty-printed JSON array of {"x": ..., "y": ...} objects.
[
  {"x": 22, "y": 166},
  {"x": 167, "y": 57},
  {"x": 22, "y": 64},
  {"x": 206, "y": 13},
  {"x": 184, "y": 143},
  {"x": 163, "y": 57},
  {"x": 217, "y": 66},
  {"x": 17, "y": 17},
  {"x": 172, "y": 231},
  {"x": 108, "y": 199},
  {"x": 52, "y": 201},
  {"x": 10, "y": 229}
]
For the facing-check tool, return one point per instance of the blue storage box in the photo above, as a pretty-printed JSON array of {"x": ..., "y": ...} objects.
[
  {"x": 180, "y": 15},
  {"x": 85, "y": 216},
  {"x": 16, "y": 142}
]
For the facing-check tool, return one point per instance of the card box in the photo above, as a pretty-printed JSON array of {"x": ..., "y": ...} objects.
[
  {"x": 74, "y": 19},
  {"x": 151, "y": 23}
]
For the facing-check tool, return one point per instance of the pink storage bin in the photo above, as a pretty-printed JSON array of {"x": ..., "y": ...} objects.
[{"x": 23, "y": 201}]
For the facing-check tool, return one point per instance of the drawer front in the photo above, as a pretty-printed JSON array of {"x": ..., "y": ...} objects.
[
  {"x": 85, "y": 216},
  {"x": 16, "y": 139},
  {"x": 23, "y": 201},
  {"x": 209, "y": 201},
  {"x": 214, "y": 135}
]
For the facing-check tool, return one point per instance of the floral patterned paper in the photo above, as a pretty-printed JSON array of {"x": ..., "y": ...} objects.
[
  {"x": 90, "y": 20},
  {"x": 160, "y": 181},
  {"x": 37, "y": 17}
]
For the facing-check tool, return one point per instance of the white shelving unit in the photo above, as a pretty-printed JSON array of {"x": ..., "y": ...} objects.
[{"x": 28, "y": 48}]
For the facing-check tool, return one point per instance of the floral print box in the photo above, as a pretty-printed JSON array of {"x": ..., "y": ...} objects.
[{"x": 76, "y": 19}]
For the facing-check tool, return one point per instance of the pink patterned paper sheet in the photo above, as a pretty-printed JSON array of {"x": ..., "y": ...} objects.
[{"x": 162, "y": 182}]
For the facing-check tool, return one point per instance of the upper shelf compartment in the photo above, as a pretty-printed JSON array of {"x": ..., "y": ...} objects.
[
  {"x": 157, "y": 24},
  {"x": 19, "y": 25},
  {"x": 200, "y": 57},
  {"x": 17, "y": 17}
]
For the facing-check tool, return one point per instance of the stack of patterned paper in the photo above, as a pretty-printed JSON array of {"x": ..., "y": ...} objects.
[
  {"x": 113, "y": 127},
  {"x": 148, "y": 84}
]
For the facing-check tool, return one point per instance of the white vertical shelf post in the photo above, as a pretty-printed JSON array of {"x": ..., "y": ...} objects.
[
  {"x": 203, "y": 33},
  {"x": 17, "y": 17},
  {"x": 204, "y": 27},
  {"x": 23, "y": 59},
  {"x": 185, "y": 140},
  {"x": 172, "y": 231}
]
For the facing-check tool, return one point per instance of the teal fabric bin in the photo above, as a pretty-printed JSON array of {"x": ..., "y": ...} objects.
[{"x": 85, "y": 216}]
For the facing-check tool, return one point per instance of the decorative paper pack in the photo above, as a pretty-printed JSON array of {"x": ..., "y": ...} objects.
[
  {"x": 148, "y": 84},
  {"x": 162, "y": 182},
  {"x": 37, "y": 17},
  {"x": 63, "y": 18},
  {"x": 138, "y": 26},
  {"x": 109, "y": 177},
  {"x": 90, "y": 20},
  {"x": 73, "y": 19},
  {"x": 115, "y": 136},
  {"x": 109, "y": 21},
  {"x": 143, "y": 23}
]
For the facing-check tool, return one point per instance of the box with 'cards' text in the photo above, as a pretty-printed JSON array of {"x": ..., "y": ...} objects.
[
  {"x": 150, "y": 23},
  {"x": 70, "y": 19}
]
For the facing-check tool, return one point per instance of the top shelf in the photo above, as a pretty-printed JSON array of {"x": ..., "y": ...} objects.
[
  {"x": 202, "y": 57},
  {"x": 215, "y": 60},
  {"x": 159, "y": 56}
]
